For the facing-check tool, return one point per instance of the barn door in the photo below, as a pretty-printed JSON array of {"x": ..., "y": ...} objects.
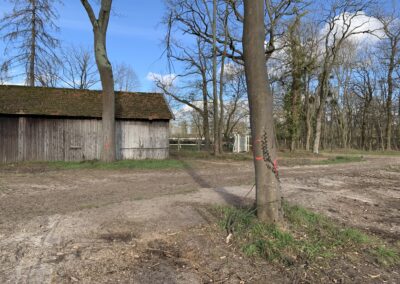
[{"x": 73, "y": 141}]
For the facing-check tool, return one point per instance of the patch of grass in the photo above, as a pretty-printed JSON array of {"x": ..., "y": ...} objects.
[
  {"x": 305, "y": 238},
  {"x": 124, "y": 164},
  {"x": 88, "y": 206},
  {"x": 362, "y": 152},
  {"x": 393, "y": 168},
  {"x": 386, "y": 256},
  {"x": 205, "y": 155},
  {"x": 340, "y": 159},
  {"x": 296, "y": 154}
]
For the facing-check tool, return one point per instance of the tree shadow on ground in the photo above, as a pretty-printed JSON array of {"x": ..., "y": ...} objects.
[{"x": 227, "y": 196}]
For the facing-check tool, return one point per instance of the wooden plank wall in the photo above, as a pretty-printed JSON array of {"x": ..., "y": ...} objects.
[
  {"x": 61, "y": 139},
  {"x": 8, "y": 139},
  {"x": 55, "y": 139},
  {"x": 142, "y": 140}
]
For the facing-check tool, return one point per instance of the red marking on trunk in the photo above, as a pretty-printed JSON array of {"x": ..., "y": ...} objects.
[{"x": 276, "y": 165}]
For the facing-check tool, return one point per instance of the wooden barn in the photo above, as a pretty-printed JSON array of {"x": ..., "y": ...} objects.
[{"x": 51, "y": 124}]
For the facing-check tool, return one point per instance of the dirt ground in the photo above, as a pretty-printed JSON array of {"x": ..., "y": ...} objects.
[{"x": 154, "y": 226}]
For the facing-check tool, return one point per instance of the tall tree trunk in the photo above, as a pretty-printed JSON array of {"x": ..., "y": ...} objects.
[
  {"x": 108, "y": 153},
  {"x": 268, "y": 196},
  {"x": 308, "y": 115},
  {"x": 221, "y": 105},
  {"x": 100, "y": 25},
  {"x": 389, "y": 103},
  {"x": 363, "y": 128},
  {"x": 206, "y": 123},
  {"x": 294, "y": 116},
  {"x": 322, "y": 92},
  {"x": 32, "y": 59},
  {"x": 318, "y": 127},
  {"x": 214, "y": 81},
  {"x": 222, "y": 82}
]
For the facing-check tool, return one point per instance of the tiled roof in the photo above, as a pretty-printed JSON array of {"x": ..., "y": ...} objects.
[{"x": 80, "y": 103}]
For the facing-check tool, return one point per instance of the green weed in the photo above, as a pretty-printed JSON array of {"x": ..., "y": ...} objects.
[
  {"x": 306, "y": 236},
  {"x": 124, "y": 164}
]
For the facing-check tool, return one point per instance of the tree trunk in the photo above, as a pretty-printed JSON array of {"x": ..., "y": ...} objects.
[
  {"x": 214, "y": 81},
  {"x": 31, "y": 76},
  {"x": 294, "y": 119},
  {"x": 318, "y": 127},
  {"x": 108, "y": 151},
  {"x": 308, "y": 116},
  {"x": 365, "y": 118},
  {"x": 268, "y": 196},
  {"x": 389, "y": 116},
  {"x": 100, "y": 25},
  {"x": 221, "y": 106},
  {"x": 322, "y": 90},
  {"x": 222, "y": 83},
  {"x": 206, "y": 123}
]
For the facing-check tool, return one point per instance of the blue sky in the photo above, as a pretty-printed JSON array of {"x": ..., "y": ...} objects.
[{"x": 135, "y": 33}]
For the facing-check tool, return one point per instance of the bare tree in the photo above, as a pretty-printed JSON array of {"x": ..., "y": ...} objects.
[
  {"x": 236, "y": 107},
  {"x": 364, "y": 86},
  {"x": 4, "y": 75},
  {"x": 391, "y": 46},
  {"x": 217, "y": 130},
  {"x": 100, "y": 25},
  {"x": 186, "y": 16},
  {"x": 187, "y": 95},
  {"x": 196, "y": 60},
  {"x": 79, "y": 68},
  {"x": 28, "y": 29},
  {"x": 340, "y": 23},
  {"x": 125, "y": 78},
  {"x": 48, "y": 73},
  {"x": 268, "y": 196}
]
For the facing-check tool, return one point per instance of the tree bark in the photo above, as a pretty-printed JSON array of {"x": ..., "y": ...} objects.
[
  {"x": 268, "y": 196},
  {"x": 389, "y": 115},
  {"x": 221, "y": 106},
  {"x": 108, "y": 153},
  {"x": 100, "y": 25},
  {"x": 294, "y": 115},
  {"x": 214, "y": 81},
  {"x": 322, "y": 93},
  {"x": 308, "y": 114},
  {"x": 318, "y": 127},
  {"x": 222, "y": 83},
  {"x": 206, "y": 123}
]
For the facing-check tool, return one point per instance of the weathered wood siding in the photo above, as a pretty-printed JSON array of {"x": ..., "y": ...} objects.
[
  {"x": 56, "y": 139},
  {"x": 8, "y": 139},
  {"x": 142, "y": 140}
]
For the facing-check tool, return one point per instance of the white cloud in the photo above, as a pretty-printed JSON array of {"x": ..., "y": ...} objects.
[
  {"x": 186, "y": 108},
  {"x": 232, "y": 69},
  {"x": 361, "y": 25},
  {"x": 166, "y": 79},
  {"x": 14, "y": 83}
]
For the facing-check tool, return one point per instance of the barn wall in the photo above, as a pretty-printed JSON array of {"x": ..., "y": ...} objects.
[
  {"x": 56, "y": 139},
  {"x": 8, "y": 139},
  {"x": 142, "y": 140}
]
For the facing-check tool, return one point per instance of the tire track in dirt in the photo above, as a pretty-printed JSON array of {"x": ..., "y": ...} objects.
[{"x": 35, "y": 248}]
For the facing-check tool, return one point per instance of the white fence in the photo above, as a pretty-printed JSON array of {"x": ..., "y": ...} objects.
[{"x": 241, "y": 144}]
